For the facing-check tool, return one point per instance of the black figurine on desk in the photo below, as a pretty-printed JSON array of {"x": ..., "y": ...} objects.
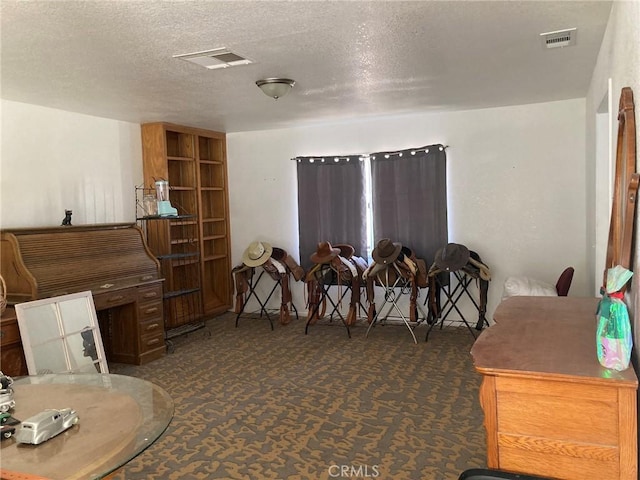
[{"x": 67, "y": 217}]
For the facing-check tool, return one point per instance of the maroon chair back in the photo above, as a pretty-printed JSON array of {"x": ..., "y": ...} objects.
[{"x": 564, "y": 282}]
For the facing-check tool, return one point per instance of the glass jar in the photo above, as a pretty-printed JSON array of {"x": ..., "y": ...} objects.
[{"x": 150, "y": 205}]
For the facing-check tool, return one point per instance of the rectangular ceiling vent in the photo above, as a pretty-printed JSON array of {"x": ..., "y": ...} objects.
[
  {"x": 559, "y": 38},
  {"x": 216, "y": 58}
]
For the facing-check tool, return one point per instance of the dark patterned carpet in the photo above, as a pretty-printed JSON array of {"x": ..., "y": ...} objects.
[{"x": 251, "y": 403}]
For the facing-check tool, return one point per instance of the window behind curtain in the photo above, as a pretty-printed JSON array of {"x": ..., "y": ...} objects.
[
  {"x": 410, "y": 199},
  {"x": 331, "y": 204}
]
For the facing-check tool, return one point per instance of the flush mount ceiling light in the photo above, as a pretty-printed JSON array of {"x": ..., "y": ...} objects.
[{"x": 275, "y": 87}]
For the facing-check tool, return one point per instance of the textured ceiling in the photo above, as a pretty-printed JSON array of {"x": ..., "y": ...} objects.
[{"x": 350, "y": 59}]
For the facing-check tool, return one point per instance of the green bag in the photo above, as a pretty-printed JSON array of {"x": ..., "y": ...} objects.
[{"x": 613, "y": 335}]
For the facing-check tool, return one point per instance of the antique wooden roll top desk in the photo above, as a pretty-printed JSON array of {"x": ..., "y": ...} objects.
[{"x": 110, "y": 260}]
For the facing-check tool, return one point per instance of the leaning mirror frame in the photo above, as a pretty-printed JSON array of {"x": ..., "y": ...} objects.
[
  {"x": 61, "y": 335},
  {"x": 625, "y": 188}
]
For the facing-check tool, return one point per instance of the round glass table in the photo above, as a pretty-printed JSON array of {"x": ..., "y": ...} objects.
[{"x": 119, "y": 416}]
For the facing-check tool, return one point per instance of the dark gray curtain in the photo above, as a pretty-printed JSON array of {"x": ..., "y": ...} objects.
[
  {"x": 410, "y": 199},
  {"x": 331, "y": 204}
]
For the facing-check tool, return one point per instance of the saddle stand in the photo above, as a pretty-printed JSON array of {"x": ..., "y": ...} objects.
[
  {"x": 453, "y": 296},
  {"x": 324, "y": 271},
  {"x": 391, "y": 297},
  {"x": 263, "y": 305}
]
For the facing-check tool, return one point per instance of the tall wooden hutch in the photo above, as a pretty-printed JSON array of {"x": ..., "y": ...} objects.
[{"x": 193, "y": 247}]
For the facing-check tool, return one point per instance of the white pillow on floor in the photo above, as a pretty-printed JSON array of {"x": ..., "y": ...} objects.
[{"x": 519, "y": 286}]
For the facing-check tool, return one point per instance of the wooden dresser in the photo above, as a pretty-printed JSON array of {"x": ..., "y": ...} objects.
[
  {"x": 550, "y": 408},
  {"x": 110, "y": 260}
]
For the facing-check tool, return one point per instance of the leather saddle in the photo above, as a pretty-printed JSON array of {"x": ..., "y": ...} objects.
[
  {"x": 279, "y": 266},
  {"x": 474, "y": 268},
  {"x": 405, "y": 271},
  {"x": 337, "y": 265}
]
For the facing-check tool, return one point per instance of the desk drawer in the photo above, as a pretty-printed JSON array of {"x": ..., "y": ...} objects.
[
  {"x": 9, "y": 332},
  {"x": 149, "y": 311},
  {"x": 12, "y": 361},
  {"x": 152, "y": 327},
  {"x": 151, "y": 341},
  {"x": 106, "y": 300},
  {"x": 150, "y": 293}
]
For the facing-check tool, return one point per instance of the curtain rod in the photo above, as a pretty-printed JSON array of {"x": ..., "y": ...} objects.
[{"x": 364, "y": 156}]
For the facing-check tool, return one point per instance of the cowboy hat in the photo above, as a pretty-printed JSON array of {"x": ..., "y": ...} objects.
[
  {"x": 346, "y": 250},
  {"x": 256, "y": 254},
  {"x": 386, "y": 251},
  {"x": 324, "y": 253},
  {"x": 452, "y": 257},
  {"x": 279, "y": 254}
]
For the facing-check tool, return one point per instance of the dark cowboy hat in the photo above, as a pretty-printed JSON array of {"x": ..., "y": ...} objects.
[
  {"x": 279, "y": 254},
  {"x": 256, "y": 254},
  {"x": 386, "y": 251},
  {"x": 346, "y": 250},
  {"x": 452, "y": 257},
  {"x": 324, "y": 253},
  {"x": 407, "y": 252}
]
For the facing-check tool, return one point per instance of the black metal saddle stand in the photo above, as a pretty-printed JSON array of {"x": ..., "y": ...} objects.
[
  {"x": 321, "y": 274},
  {"x": 263, "y": 308},
  {"x": 392, "y": 298},
  {"x": 452, "y": 298}
]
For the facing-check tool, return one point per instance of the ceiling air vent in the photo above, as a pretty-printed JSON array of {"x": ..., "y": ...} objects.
[
  {"x": 216, "y": 58},
  {"x": 559, "y": 38}
]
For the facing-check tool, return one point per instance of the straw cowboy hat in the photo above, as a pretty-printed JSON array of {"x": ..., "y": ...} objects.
[
  {"x": 452, "y": 257},
  {"x": 386, "y": 251},
  {"x": 256, "y": 254},
  {"x": 324, "y": 253}
]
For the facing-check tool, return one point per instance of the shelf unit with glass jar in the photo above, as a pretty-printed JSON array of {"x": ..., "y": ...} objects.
[{"x": 194, "y": 163}]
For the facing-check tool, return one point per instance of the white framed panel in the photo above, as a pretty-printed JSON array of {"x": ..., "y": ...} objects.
[{"x": 61, "y": 335}]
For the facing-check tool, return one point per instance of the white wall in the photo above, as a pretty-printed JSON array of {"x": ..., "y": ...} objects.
[
  {"x": 516, "y": 178},
  {"x": 516, "y": 183},
  {"x": 618, "y": 60},
  {"x": 54, "y": 160}
]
